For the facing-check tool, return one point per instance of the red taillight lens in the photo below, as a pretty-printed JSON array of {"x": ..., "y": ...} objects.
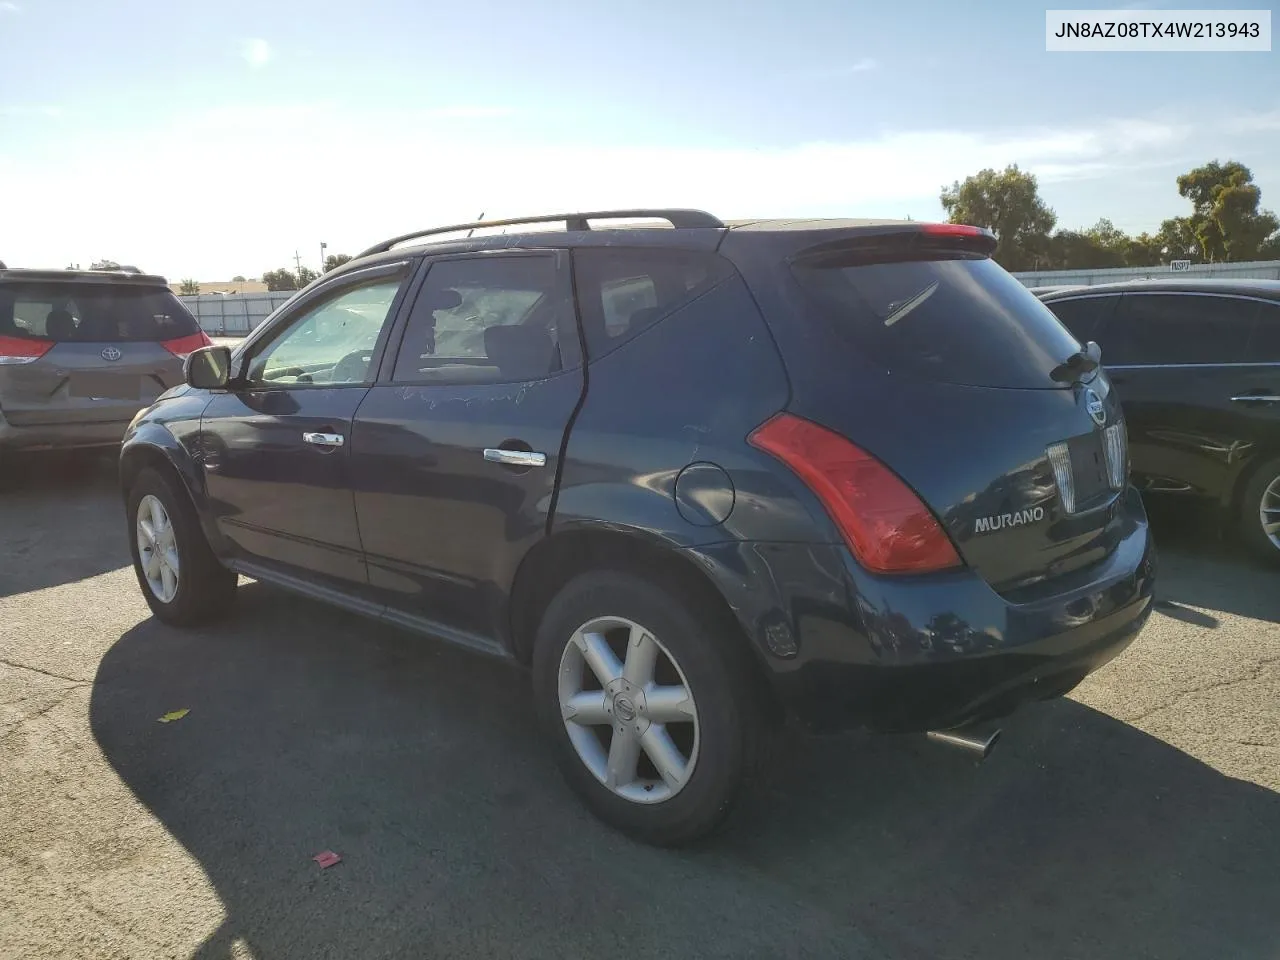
[
  {"x": 22, "y": 349},
  {"x": 184, "y": 346},
  {"x": 885, "y": 524}
]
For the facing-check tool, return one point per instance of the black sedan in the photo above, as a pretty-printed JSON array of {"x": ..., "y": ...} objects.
[{"x": 1197, "y": 367}]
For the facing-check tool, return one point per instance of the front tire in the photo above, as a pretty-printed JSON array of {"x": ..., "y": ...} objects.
[
  {"x": 180, "y": 578},
  {"x": 650, "y": 705}
]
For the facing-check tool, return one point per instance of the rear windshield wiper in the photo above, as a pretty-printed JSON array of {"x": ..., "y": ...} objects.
[
  {"x": 1078, "y": 365},
  {"x": 906, "y": 306}
]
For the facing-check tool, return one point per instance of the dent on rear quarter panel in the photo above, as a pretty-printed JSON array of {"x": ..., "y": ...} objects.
[{"x": 687, "y": 390}]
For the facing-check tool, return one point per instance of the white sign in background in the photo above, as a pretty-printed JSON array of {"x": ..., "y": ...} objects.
[{"x": 1158, "y": 31}]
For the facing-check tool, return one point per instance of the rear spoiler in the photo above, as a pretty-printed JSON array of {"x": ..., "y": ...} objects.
[{"x": 889, "y": 243}]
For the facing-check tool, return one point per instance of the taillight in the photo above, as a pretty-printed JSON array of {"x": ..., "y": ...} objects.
[
  {"x": 884, "y": 523},
  {"x": 182, "y": 347},
  {"x": 23, "y": 349},
  {"x": 953, "y": 230}
]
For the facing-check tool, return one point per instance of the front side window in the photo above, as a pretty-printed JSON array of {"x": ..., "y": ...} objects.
[
  {"x": 489, "y": 319},
  {"x": 332, "y": 341},
  {"x": 1165, "y": 328}
]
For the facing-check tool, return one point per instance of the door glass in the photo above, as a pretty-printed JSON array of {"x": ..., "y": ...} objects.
[
  {"x": 1083, "y": 315},
  {"x": 489, "y": 320},
  {"x": 1265, "y": 346},
  {"x": 624, "y": 292},
  {"x": 1161, "y": 328},
  {"x": 332, "y": 342}
]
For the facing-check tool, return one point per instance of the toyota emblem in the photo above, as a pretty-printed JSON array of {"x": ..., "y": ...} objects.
[
  {"x": 112, "y": 354},
  {"x": 1097, "y": 409}
]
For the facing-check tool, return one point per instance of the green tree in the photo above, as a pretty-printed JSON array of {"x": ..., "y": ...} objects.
[
  {"x": 189, "y": 288},
  {"x": 1227, "y": 219},
  {"x": 335, "y": 260},
  {"x": 1177, "y": 238},
  {"x": 237, "y": 279},
  {"x": 1008, "y": 204},
  {"x": 281, "y": 279},
  {"x": 305, "y": 276}
]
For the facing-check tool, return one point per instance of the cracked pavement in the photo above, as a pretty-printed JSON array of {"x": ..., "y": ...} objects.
[{"x": 1138, "y": 818}]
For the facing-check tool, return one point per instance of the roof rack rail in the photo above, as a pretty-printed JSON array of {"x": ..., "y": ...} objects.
[{"x": 679, "y": 219}]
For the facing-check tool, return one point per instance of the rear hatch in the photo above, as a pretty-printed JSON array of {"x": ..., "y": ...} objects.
[
  {"x": 960, "y": 381},
  {"x": 84, "y": 351}
]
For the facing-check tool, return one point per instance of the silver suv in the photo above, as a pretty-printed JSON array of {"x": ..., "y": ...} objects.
[{"x": 82, "y": 351}]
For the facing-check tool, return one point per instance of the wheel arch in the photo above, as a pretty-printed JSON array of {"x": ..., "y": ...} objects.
[
  {"x": 158, "y": 449},
  {"x": 557, "y": 559},
  {"x": 1234, "y": 492}
]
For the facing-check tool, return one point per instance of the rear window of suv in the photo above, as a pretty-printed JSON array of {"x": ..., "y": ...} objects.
[
  {"x": 964, "y": 321},
  {"x": 92, "y": 312}
]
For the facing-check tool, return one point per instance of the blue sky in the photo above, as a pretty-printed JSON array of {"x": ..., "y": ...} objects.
[{"x": 208, "y": 140}]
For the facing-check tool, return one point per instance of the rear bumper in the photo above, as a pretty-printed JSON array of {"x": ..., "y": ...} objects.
[
  {"x": 61, "y": 436},
  {"x": 845, "y": 649}
]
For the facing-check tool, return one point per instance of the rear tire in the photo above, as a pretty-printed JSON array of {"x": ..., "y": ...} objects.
[
  {"x": 180, "y": 578},
  {"x": 1259, "y": 508},
  {"x": 665, "y": 758}
]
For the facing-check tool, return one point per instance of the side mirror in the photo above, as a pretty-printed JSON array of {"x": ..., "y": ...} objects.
[{"x": 208, "y": 368}]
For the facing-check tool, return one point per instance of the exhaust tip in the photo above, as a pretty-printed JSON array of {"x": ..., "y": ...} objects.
[{"x": 976, "y": 743}]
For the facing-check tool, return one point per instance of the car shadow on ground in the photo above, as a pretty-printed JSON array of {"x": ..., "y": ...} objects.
[
  {"x": 420, "y": 765},
  {"x": 56, "y": 515},
  {"x": 1204, "y": 564}
]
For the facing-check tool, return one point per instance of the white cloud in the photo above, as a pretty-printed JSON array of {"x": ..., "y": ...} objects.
[
  {"x": 256, "y": 51},
  {"x": 255, "y": 205},
  {"x": 833, "y": 71},
  {"x": 467, "y": 112},
  {"x": 8, "y": 6},
  {"x": 24, "y": 110}
]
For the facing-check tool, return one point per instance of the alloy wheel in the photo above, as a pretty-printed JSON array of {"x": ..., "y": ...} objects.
[
  {"x": 157, "y": 549},
  {"x": 1269, "y": 512},
  {"x": 628, "y": 710}
]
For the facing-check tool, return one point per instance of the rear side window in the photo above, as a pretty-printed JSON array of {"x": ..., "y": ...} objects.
[
  {"x": 490, "y": 319},
  {"x": 963, "y": 321},
  {"x": 92, "y": 312},
  {"x": 622, "y": 292},
  {"x": 1163, "y": 328},
  {"x": 1083, "y": 316},
  {"x": 1265, "y": 346}
]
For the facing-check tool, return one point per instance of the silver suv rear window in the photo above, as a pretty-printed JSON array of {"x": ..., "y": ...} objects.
[{"x": 92, "y": 312}]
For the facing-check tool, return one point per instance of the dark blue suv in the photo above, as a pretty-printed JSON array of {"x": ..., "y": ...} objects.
[{"x": 698, "y": 477}]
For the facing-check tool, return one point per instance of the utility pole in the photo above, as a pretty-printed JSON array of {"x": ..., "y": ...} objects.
[
  {"x": 297, "y": 262},
  {"x": 323, "y": 246}
]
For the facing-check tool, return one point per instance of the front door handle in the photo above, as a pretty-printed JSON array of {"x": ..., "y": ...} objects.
[
  {"x": 330, "y": 440},
  {"x": 515, "y": 458},
  {"x": 1256, "y": 398}
]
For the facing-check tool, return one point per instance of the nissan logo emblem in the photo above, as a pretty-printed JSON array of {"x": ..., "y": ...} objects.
[
  {"x": 112, "y": 354},
  {"x": 1097, "y": 409}
]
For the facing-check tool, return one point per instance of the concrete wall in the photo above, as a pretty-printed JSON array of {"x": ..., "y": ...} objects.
[
  {"x": 237, "y": 314},
  {"x": 234, "y": 314},
  {"x": 1257, "y": 269}
]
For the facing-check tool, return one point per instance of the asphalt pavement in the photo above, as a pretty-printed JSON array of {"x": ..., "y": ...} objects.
[{"x": 1137, "y": 818}]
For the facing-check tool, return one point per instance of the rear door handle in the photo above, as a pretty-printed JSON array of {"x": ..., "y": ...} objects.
[
  {"x": 1256, "y": 398},
  {"x": 515, "y": 458},
  {"x": 324, "y": 439}
]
